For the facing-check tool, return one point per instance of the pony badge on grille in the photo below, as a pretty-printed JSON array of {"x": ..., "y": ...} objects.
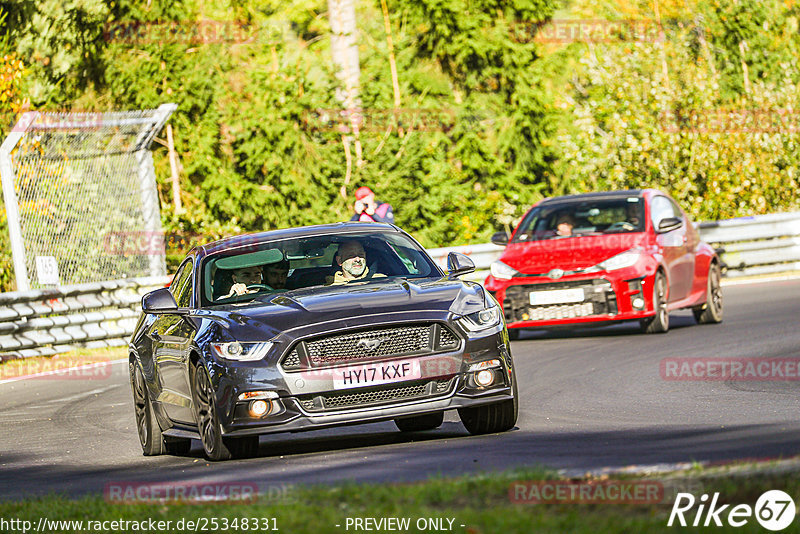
[{"x": 369, "y": 344}]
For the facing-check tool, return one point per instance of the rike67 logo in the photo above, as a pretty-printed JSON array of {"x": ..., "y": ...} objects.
[{"x": 774, "y": 510}]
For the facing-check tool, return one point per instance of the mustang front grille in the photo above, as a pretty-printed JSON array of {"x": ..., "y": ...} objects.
[
  {"x": 361, "y": 345},
  {"x": 375, "y": 343},
  {"x": 447, "y": 339},
  {"x": 376, "y": 396},
  {"x": 292, "y": 361}
]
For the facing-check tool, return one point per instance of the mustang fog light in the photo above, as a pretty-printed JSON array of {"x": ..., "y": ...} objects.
[
  {"x": 484, "y": 378},
  {"x": 260, "y": 408}
]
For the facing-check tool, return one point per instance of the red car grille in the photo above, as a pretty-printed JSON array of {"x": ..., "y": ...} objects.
[{"x": 599, "y": 299}]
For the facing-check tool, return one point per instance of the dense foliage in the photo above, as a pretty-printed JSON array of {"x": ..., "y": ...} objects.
[{"x": 491, "y": 118}]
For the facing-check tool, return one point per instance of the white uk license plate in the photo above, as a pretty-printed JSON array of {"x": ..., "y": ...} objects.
[
  {"x": 557, "y": 296},
  {"x": 374, "y": 374}
]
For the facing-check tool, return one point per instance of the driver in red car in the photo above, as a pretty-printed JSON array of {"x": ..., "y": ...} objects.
[{"x": 564, "y": 225}]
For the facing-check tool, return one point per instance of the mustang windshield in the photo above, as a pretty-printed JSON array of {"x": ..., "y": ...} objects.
[
  {"x": 273, "y": 267},
  {"x": 581, "y": 218}
]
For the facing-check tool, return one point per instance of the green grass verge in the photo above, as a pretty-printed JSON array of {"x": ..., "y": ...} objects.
[{"x": 480, "y": 503}]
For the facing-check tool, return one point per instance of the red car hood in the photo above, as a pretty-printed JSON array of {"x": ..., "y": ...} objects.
[{"x": 568, "y": 254}]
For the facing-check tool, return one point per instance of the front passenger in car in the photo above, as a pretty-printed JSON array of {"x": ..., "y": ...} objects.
[{"x": 352, "y": 258}]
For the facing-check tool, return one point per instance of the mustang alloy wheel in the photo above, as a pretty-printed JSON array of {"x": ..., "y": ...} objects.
[
  {"x": 215, "y": 446},
  {"x": 152, "y": 441}
]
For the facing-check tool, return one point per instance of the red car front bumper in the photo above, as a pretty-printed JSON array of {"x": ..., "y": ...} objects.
[{"x": 621, "y": 295}]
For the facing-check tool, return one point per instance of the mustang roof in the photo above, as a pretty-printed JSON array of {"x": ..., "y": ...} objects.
[{"x": 303, "y": 231}]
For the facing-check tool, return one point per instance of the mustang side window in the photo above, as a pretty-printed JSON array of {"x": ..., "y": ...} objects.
[{"x": 181, "y": 286}]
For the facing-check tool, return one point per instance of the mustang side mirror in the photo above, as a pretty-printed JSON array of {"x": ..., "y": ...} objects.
[
  {"x": 669, "y": 224},
  {"x": 161, "y": 301},
  {"x": 500, "y": 238},
  {"x": 458, "y": 264}
]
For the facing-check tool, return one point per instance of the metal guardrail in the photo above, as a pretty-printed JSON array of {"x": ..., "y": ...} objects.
[
  {"x": 49, "y": 321},
  {"x": 44, "y": 322},
  {"x": 483, "y": 255},
  {"x": 762, "y": 244}
]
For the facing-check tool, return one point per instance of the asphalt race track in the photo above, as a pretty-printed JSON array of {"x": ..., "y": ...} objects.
[{"x": 590, "y": 399}]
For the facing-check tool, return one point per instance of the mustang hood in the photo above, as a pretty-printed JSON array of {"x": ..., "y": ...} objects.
[
  {"x": 273, "y": 314},
  {"x": 568, "y": 254}
]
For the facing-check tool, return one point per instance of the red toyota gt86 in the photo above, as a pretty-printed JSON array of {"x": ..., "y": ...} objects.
[{"x": 598, "y": 257}]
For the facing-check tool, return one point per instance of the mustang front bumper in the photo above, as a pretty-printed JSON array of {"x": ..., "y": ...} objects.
[{"x": 308, "y": 399}]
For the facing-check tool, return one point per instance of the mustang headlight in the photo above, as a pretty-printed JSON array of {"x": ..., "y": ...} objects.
[
  {"x": 502, "y": 271},
  {"x": 244, "y": 352},
  {"x": 481, "y": 320},
  {"x": 620, "y": 261}
]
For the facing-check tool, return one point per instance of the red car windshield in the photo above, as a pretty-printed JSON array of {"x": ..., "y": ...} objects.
[{"x": 567, "y": 219}]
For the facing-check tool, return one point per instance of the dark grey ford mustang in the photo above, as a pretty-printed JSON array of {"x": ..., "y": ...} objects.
[{"x": 313, "y": 327}]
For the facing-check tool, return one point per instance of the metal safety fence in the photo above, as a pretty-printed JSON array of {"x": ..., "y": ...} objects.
[
  {"x": 45, "y": 322},
  {"x": 763, "y": 244},
  {"x": 69, "y": 179}
]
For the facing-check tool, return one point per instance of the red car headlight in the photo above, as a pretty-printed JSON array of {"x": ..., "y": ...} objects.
[
  {"x": 501, "y": 271},
  {"x": 620, "y": 261}
]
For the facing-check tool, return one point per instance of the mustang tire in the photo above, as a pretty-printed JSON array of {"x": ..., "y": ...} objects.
[
  {"x": 491, "y": 418},
  {"x": 150, "y": 437},
  {"x": 215, "y": 446},
  {"x": 428, "y": 421}
]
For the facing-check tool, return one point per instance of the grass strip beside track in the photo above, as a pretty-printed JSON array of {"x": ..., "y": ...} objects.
[{"x": 479, "y": 502}]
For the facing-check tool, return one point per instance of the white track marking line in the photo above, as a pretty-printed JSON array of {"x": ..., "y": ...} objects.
[{"x": 748, "y": 281}]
